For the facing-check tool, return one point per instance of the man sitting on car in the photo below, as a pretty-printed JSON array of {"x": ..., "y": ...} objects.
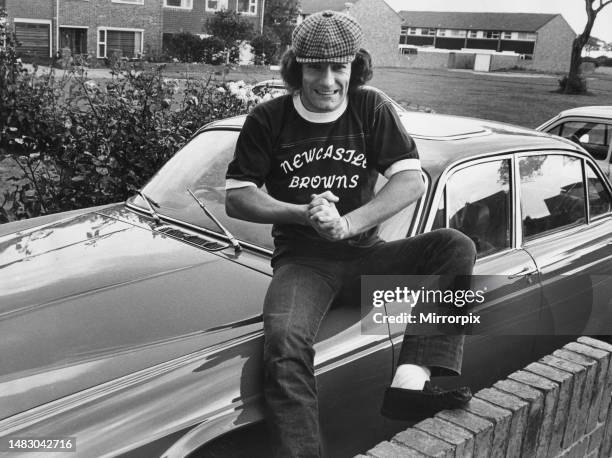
[{"x": 319, "y": 151}]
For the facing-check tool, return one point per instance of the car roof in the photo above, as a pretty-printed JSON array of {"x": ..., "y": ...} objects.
[
  {"x": 444, "y": 139},
  {"x": 599, "y": 111}
]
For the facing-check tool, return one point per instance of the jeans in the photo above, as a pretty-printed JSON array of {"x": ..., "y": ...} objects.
[{"x": 301, "y": 292}]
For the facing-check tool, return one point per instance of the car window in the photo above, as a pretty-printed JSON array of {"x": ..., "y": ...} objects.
[
  {"x": 600, "y": 201},
  {"x": 479, "y": 205},
  {"x": 593, "y": 136},
  {"x": 552, "y": 193}
]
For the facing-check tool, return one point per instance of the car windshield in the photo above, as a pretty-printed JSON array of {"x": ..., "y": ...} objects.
[{"x": 200, "y": 166}]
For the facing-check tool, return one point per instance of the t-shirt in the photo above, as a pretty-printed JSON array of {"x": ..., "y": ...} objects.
[{"x": 296, "y": 153}]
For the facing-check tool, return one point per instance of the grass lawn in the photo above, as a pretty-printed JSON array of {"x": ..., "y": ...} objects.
[{"x": 515, "y": 98}]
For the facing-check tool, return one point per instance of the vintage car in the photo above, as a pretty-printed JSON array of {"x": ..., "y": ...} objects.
[
  {"x": 135, "y": 328},
  {"x": 590, "y": 127}
]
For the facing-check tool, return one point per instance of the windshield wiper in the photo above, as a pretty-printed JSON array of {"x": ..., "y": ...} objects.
[
  {"x": 227, "y": 233},
  {"x": 150, "y": 202}
]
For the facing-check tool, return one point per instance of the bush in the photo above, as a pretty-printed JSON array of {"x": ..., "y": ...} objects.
[
  {"x": 265, "y": 49},
  {"x": 577, "y": 85},
  {"x": 185, "y": 47},
  {"x": 80, "y": 143}
]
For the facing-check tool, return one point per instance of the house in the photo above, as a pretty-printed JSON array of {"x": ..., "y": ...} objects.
[
  {"x": 192, "y": 15},
  {"x": 101, "y": 27},
  {"x": 381, "y": 25},
  {"x": 533, "y": 41}
]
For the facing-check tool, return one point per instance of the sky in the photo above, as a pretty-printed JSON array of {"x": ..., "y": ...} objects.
[{"x": 572, "y": 10}]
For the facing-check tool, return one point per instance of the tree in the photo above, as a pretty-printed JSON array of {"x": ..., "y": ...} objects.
[
  {"x": 574, "y": 78},
  {"x": 230, "y": 27},
  {"x": 280, "y": 17}
]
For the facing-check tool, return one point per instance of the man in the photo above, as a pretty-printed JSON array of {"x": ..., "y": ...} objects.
[{"x": 319, "y": 151}]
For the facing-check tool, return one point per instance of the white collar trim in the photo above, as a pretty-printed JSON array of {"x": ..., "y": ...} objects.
[{"x": 328, "y": 116}]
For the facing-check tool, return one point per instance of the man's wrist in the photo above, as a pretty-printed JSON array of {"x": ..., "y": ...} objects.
[{"x": 348, "y": 226}]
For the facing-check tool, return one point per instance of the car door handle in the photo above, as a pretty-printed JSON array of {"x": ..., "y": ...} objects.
[{"x": 524, "y": 272}]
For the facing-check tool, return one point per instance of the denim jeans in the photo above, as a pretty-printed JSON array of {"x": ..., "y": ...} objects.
[{"x": 301, "y": 292}]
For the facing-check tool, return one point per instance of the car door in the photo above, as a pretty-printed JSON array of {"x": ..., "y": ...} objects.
[
  {"x": 566, "y": 226},
  {"x": 477, "y": 198},
  {"x": 592, "y": 134}
]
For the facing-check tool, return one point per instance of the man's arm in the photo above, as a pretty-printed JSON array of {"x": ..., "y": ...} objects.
[
  {"x": 252, "y": 204},
  {"x": 402, "y": 189}
]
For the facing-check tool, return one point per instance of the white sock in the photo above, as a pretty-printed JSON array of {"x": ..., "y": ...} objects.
[{"x": 411, "y": 377}]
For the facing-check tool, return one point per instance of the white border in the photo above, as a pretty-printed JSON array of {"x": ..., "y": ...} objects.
[
  {"x": 172, "y": 7},
  {"x": 119, "y": 29}
]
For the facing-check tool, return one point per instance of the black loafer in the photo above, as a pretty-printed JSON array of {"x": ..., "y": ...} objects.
[{"x": 416, "y": 405}]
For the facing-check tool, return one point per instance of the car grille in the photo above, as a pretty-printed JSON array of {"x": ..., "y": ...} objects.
[{"x": 209, "y": 245}]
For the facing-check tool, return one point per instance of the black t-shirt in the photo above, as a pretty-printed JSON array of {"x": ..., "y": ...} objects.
[{"x": 296, "y": 158}]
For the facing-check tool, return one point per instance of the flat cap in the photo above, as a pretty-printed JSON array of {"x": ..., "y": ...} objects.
[{"x": 327, "y": 36}]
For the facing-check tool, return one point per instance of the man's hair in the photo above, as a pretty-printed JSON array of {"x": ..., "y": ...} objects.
[{"x": 291, "y": 70}]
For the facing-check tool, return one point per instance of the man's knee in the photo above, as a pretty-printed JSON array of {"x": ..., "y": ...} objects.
[
  {"x": 285, "y": 345},
  {"x": 457, "y": 244}
]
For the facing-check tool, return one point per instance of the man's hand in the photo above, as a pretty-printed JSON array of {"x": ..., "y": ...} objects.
[{"x": 324, "y": 217}]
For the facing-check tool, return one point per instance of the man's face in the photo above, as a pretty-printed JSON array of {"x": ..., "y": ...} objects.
[{"x": 324, "y": 85}]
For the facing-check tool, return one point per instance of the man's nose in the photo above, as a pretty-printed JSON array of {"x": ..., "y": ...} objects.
[{"x": 327, "y": 75}]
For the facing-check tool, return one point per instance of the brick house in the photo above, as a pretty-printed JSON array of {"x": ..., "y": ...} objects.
[
  {"x": 94, "y": 27},
  {"x": 380, "y": 23},
  {"x": 192, "y": 15},
  {"x": 98, "y": 27},
  {"x": 537, "y": 41}
]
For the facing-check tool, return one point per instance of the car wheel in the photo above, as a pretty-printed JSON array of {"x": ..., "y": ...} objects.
[{"x": 247, "y": 442}]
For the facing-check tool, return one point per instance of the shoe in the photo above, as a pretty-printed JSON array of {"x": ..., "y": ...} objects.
[{"x": 416, "y": 405}]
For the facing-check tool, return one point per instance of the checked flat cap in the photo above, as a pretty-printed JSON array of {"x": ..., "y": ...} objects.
[{"x": 327, "y": 36}]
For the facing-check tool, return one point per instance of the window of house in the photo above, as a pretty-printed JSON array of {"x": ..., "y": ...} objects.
[
  {"x": 507, "y": 36},
  {"x": 216, "y": 5},
  {"x": 493, "y": 34},
  {"x": 473, "y": 34},
  {"x": 412, "y": 31},
  {"x": 457, "y": 33},
  {"x": 552, "y": 193},
  {"x": 479, "y": 203},
  {"x": 247, "y": 6},
  {"x": 441, "y": 32},
  {"x": 126, "y": 42},
  {"x": 184, "y": 4},
  {"x": 526, "y": 36},
  {"x": 134, "y": 2}
]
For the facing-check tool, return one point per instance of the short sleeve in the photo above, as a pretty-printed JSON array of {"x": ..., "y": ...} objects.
[
  {"x": 251, "y": 162},
  {"x": 394, "y": 149}
]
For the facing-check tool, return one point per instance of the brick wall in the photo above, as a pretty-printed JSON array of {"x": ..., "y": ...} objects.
[
  {"x": 31, "y": 9},
  {"x": 381, "y": 28},
  {"x": 424, "y": 59},
  {"x": 194, "y": 21},
  {"x": 553, "y": 47},
  {"x": 558, "y": 406},
  {"x": 499, "y": 61}
]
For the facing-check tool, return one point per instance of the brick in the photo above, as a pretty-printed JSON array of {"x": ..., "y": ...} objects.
[
  {"x": 573, "y": 413},
  {"x": 565, "y": 381},
  {"x": 577, "y": 449},
  {"x": 518, "y": 423},
  {"x": 550, "y": 391},
  {"x": 535, "y": 412},
  {"x": 390, "y": 450},
  {"x": 481, "y": 429},
  {"x": 606, "y": 446},
  {"x": 425, "y": 443},
  {"x": 460, "y": 438},
  {"x": 584, "y": 403},
  {"x": 595, "y": 439},
  {"x": 500, "y": 417},
  {"x": 601, "y": 397},
  {"x": 596, "y": 343}
]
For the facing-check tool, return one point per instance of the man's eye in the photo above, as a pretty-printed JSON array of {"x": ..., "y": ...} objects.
[
  {"x": 315, "y": 66},
  {"x": 340, "y": 67}
]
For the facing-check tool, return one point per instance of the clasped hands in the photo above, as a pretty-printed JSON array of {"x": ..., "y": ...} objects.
[{"x": 323, "y": 216}]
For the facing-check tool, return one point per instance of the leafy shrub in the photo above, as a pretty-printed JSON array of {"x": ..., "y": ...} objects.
[
  {"x": 576, "y": 85},
  {"x": 265, "y": 48},
  {"x": 78, "y": 143},
  {"x": 185, "y": 46}
]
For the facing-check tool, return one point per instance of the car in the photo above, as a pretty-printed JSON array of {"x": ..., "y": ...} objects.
[
  {"x": 135, "y": 328},
  {"x": 589, "y": 127}
]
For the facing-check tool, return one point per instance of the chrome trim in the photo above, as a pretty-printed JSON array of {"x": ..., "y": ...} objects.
[
  {"x": 412, "y": 231},
  {"x": 517, "y": 222}
]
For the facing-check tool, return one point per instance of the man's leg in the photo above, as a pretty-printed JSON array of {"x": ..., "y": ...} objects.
[
  {"x": 441, "y": 252},
  {"x": 297, "y": 300}
]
